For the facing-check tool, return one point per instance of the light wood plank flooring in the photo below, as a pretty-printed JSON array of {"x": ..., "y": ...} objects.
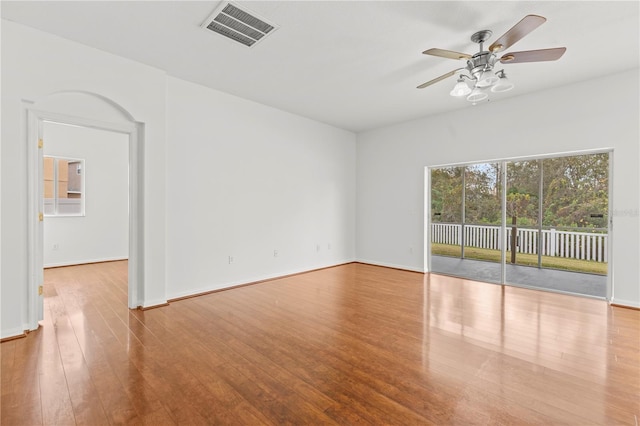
[{"x": 355, "y": 344}]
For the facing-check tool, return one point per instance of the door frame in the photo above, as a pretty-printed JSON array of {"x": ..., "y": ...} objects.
[
  {"x": 503, "y": 161},
  {"x": 135, "y": 132}
]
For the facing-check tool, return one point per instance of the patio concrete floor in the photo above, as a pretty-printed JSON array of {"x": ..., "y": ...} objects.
[{"x": 545, "y": 279}]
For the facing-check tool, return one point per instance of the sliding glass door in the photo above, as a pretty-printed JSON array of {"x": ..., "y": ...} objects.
[
  {"x": 522, "y": 204},
  {"x": 446, "y": 211},
  {"x": 538, "y": 223},
  {"x": 482, "y": 221},
  {"x": 465, "y": 221}
]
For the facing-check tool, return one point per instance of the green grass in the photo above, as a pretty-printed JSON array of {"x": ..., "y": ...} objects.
[{"x": 587, "y": 266}]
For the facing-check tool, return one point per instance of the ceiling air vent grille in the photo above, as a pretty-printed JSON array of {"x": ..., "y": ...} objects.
[{"x": 238, "y": 24}]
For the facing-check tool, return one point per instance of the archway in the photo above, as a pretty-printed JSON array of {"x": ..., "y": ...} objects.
[{"x": 92, "y": 111}]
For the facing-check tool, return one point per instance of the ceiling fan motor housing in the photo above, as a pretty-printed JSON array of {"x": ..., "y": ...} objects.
[{"x": 481, "y": 62}]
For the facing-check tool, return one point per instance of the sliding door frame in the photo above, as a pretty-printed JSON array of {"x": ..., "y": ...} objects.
[{"x": 503, "y": 172}]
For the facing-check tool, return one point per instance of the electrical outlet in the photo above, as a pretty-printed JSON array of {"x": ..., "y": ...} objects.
[
  {"x": 230, "y": 260},
  {"x": 56, "y": 246},
  {"x": 275, "y": 253}
]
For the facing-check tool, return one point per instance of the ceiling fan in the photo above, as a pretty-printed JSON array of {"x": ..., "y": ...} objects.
[{"x": 480, "y": 65}]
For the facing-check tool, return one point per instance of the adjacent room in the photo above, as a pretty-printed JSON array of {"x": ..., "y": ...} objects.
[{"x": 320, "y": 212}]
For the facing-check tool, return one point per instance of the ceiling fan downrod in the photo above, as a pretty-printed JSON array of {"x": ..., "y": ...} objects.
[{"x": 483, "y": 61}]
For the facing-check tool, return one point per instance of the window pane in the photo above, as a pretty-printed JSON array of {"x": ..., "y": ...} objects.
[
  {"x": 446, "y": 210},
  {"x": 63, "y": 186}
]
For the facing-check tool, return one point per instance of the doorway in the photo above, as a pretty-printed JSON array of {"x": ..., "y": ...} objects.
[
  {"x": 70, "y": 108},
  {"x": 86, "y": 195},
  {"x": 539, "y": 222}
]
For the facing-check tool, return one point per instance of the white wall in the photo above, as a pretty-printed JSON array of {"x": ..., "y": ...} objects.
[
  {"x": 223, "y": 176},
  {"x": 35, "y": 65},
  {"x": 103, "y": 232},
  {"x": 245, "y": 180},
  {"x": 589, "y": 115}
]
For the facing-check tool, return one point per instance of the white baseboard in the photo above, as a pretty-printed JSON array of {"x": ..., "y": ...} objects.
[
  {"x": 391, "y": 265},
  {"x": 83, "y": 262},
  {"x": 629, "y": 303},
  {"x": 14, "y": 332},
  {"x": 153, "y": 304},
  {"x": 252, "y": 280}
]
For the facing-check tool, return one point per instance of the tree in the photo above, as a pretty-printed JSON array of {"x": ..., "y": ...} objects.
[
  {"x": 575, "y": 192},
  {"x": 446, "y": 194},
  {"x": 576, "y": 187},
  {"x": 483, "y": 189}
]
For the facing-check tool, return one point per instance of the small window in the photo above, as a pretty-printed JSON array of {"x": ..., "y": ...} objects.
[{"x": 63, "y": 186}]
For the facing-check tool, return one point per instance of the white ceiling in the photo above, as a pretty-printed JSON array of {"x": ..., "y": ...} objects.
[{"x": 352, "y": 64}]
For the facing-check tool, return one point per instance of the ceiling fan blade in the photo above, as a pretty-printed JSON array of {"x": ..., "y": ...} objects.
[
  {"x": 533, "y": 55},
  {"x": 519, "y": 30},
  {"x": 450, "y": 54},
  {"x": 442, "y": 77}
]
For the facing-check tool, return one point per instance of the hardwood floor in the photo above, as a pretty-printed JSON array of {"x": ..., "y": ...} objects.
[{"x": 345, "y": 345}]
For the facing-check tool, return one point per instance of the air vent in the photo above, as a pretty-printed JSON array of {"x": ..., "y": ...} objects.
[{"x": 238, "y": 24}]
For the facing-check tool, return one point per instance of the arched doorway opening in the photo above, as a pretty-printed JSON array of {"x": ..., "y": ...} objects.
[{"x": 91, "y": 111}]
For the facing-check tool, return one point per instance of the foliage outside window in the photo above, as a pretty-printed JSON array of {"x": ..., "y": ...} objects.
[
  {"x": 63, "y": 186},
  {"x": 574, "y": 191}
]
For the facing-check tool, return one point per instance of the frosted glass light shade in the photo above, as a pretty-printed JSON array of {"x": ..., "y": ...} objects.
[
  {"x": 503, "y": 85},
  {"x": 487, "y": 79},
  {"x": 477, "y": 95},
  {"x": 460, "y": 89}
]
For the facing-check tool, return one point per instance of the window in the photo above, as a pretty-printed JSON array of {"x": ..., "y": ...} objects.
[{"x": 63, "y": 186}]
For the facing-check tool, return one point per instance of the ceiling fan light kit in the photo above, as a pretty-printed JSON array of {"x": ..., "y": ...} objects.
[
  {"x": 503, "y": 84},
  {"x": 479, "y": 68},
  {"x": 477, "y": 95},
  {"x": 486, "y": 79},
  {"x": 460, "y": 89}
]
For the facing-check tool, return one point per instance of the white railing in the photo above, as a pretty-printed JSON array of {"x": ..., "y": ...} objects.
[{"x": 568, "y": 244}]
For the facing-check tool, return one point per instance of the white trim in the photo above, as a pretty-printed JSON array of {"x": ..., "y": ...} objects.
[
  {"x": 35, "y": 275},
  {"x": 135, "y": 131},
  {"x": 83, "y": 262},
  {"x": 136, "y": 216},
  {"x": 426, "y": 215},
  {"x": 503, "y": 225},
  {"x": 153, "y": 303},
  {"x": 628, "y": 303},
  {"x": 14, "y": 332},
  {"x": 392, "y": 265},
  {"x": 610, "y": 236}
]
